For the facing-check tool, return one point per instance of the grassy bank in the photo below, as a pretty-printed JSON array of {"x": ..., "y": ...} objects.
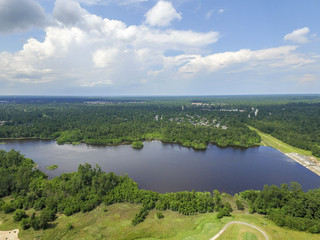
[
  {"x": 268, "y": 140},
  {"x": 116, "y": 224}
]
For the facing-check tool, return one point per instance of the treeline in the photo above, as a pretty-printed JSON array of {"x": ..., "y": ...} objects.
[
  {"x": 297, "y": 124},
  {"x": 287, "y": 206},
  {"x": 89, "y": 187},
  {"x": 117, "y": 123},
  {"x": 292, "y": 119}
]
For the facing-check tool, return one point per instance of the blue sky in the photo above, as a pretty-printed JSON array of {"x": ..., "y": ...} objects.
[{"x": 148, "y": 47}]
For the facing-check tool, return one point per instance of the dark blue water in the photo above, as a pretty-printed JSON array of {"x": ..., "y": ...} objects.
[{"x": 170, "y": 167}]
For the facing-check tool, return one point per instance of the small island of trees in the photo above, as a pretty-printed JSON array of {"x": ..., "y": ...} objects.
[
  {"x": 52, "y": 167},
  {"x": 137, "y": 145}
]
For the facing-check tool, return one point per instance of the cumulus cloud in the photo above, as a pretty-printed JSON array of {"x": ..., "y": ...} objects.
[
  {"x": 21, "y": 15},
  {"x": 85, "y": 51},
  {"x": 162, "y": 14},
  {"x": 273, "y": 57},
  {"x": 104, "y": 57},
  {"x": 298, "y": 36}
]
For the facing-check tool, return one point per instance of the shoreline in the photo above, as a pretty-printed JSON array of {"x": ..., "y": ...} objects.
[
  {"x": 308, "y": 162},
  {"x": 303, "y": 157},
  {"x": 129, "y": 143}
]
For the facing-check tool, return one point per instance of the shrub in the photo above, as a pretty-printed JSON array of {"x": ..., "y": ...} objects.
[
  {"x": 69, "y": 226},
  {"x": 159, "y": 215},
  {"x": 19, "y": 214},
  {"x": 25, "y": 223}
]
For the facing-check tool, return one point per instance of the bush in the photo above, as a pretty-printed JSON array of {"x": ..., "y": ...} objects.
[
  {"x": 239, "y": 205},
  {"x": 68, "y": 211},
  {"x": 8, "y": 208},
  {"x": 34, "y": 223},
  {"x": 69, "y": 226},
  {"x": 159, "y": 215},
  {"x": 19, "y": 214},
  {"x": 25, "y": 223},
  {"x": 314, "y": 229},
  {"x": 225, "y": 211}
]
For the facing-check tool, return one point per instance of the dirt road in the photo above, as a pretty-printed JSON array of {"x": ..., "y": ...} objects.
[{"x": 238, "y": 222}]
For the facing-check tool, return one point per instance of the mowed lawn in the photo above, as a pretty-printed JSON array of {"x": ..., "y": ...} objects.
[{"x": 116, "y": 224}]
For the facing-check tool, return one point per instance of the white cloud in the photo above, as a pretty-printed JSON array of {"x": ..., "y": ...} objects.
[
  {"x": 84, "y": 51},
  {"x": 308, "y": 78},
  {"x": 298, "y": 36},
  {"x": 272, "y": 57},
  {"x": 21, "y": 15},
  {"x": 162, "y": 14},
  {"x": 93, "y": 84},
  {"x": 104, "y": 57}
]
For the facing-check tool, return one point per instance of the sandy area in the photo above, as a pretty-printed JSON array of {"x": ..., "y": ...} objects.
[
  {"x": 309, "y": 162},
  {"x": 9, "y": 235}
]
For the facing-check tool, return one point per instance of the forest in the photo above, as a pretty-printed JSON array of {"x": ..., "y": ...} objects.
[
  {"x": 112, "y": 122},
  {"x": 23, "y": 188},
  {"x": 189, "y": 121}
]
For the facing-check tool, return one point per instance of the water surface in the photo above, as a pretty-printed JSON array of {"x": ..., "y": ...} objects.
[{"x": 170, "y": 167}]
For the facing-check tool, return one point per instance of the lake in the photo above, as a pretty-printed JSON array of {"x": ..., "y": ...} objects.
[{"x": 170, "y": 167}]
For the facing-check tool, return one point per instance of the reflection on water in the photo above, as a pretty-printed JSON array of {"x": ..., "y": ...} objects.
[{"x": 170, "y": 167}]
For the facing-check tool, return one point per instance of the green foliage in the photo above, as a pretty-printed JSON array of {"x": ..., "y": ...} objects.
[
  {"x": 296, "y": 124},
  {"x": 25, "y": 223},
  {"x": 8, "y": 208},
  {"x": 52, "y": 167},
  {"x": 69, "y": 226},
  {"x": 118, "y": 122},
  {"x": 159, "y": 215},
  {"x": 19, "y": 214},
  {"x": 239, "y": 204},
  {"x": 137, "y": 145},
  {"x": 287, "y": 206},
  {"x": 140, "y": 216}
]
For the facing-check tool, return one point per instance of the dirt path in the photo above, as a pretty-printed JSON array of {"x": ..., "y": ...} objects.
[
  {"x": 238, "y": 222},
  {"x": 9, "y": 235}
]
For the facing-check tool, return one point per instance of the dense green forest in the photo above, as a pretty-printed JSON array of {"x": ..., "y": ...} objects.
[
  {"x": 190, "y": 121},
  {"x": 297, "y": 124},
  {"x": 82, "y": 191},
  {"x": 112, "y": 122}
]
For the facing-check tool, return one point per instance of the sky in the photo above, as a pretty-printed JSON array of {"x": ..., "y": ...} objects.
[{"x": 150, "y": 47}]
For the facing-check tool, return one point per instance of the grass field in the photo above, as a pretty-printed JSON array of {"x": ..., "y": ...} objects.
[
  {"x": 116, "y": 224},
  {"x": 268, "y": 140}
]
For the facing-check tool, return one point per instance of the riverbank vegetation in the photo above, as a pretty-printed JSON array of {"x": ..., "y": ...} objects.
[
  {"x": 189, "y": 121},
  {"x": 35, "y": 202}
]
